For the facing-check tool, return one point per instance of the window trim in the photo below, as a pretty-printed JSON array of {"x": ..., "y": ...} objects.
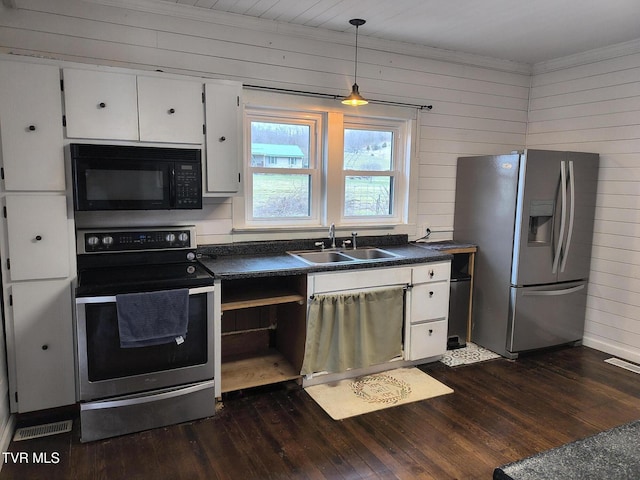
[
  {"x": 398, "y": 172},
  {"x": 315, "y": 121}
]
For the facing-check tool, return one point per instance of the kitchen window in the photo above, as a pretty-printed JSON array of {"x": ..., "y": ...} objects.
[{"x": 313, "y": 168}]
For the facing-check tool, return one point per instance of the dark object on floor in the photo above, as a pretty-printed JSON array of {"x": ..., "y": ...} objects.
[{"x": 612, "y": 454}]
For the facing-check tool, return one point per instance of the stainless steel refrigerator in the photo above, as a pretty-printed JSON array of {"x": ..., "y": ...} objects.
[{"x": 531, "y": 215}]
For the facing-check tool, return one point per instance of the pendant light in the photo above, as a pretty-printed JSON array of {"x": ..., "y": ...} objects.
[{"x": 355, "y": 99}]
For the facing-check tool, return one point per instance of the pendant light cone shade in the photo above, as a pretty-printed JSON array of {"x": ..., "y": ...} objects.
[{"x": 355, "y": 99}]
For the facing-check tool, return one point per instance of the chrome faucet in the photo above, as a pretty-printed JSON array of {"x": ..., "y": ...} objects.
[
  {"x": 353, "y": 239},
  {"x": 332, "y": 235}
]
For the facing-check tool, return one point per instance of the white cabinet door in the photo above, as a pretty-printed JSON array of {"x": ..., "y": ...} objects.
[
  {"x": 31, "y": 113},
  {"x": 38, "y": 236},
  {"x": 224, "y": 138},
  {"x": 100, "y": 104},
  {"x": 43, "y": 336},
  {"x": 170, "y": 110}
]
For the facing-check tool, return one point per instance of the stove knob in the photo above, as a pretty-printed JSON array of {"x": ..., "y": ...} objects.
[
  {"x": 191, "y": 256},
  {"x": 183, "y": 237},
  {"x": 107, "y": 240},
  {"x": 93, "y": 241},
  {"x": 170, "y": 237},
  {"x": 191, "y": 269}
]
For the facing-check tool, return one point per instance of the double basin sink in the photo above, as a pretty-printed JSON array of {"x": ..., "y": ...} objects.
[{"x": 365, "y": 254}]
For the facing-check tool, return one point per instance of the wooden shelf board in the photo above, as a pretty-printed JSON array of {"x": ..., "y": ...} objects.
[
  {"x": 256, "y": 370},
  {"x": 251, "y": 299}
]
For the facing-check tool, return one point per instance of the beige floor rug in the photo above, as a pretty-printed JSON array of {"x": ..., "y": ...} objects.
[{"x": 348, "y": 398}]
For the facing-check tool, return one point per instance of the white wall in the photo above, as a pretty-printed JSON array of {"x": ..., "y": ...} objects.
[{"x": 592, "y": 103}]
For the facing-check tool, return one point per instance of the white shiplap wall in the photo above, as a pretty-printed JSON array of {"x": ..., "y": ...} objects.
[{"x": 595, "y": 106}]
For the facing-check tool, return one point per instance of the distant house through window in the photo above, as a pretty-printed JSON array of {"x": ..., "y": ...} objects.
[{"x": 274, "y": 155}]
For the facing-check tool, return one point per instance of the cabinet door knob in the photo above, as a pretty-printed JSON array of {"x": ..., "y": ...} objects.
[
  {"x": 430, "y": 294},
  {"x": 172, "y": 111},
  {"x": 102, "y": 105},
  {"x": 38, "y": 238},
  {"x": 431, "y": 273},
  {"x": 32, "y": 128},
  {"x": 45, "y": 347},
  {"x": 223, "y": 138},
  {"x": 430, "y": 331}
]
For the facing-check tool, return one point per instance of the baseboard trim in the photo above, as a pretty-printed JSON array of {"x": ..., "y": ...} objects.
[{"x": 629, "y": 354}]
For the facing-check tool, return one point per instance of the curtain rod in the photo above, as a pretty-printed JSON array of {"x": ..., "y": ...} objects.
[{"x": 334, "y": 97}]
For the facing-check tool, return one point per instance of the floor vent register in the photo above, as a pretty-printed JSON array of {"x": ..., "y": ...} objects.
[
  {"x": 624, "y": 364},
  {"x": 27, "y": 433}
]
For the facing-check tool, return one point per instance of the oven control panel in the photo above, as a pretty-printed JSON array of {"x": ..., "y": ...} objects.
[{"x": 128, "y": 240}]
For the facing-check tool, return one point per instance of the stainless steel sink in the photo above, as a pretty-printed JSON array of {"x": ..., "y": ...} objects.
[
  {"x": 369, "y": 254},
  {"x": 322, "y": 257},
  {"x": 344, "y": 256}
]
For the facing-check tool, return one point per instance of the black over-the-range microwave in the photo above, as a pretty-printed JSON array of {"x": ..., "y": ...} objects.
[{"x": 117, "y": 177}]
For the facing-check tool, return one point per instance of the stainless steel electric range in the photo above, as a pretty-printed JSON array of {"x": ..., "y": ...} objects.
[{"x": 139, "y": 284}]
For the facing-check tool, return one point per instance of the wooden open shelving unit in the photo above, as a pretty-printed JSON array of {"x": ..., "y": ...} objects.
[{"x": 263, "y": 331}]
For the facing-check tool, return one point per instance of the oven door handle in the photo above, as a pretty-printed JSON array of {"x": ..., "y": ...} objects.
[{"x": 112, "y": 298}]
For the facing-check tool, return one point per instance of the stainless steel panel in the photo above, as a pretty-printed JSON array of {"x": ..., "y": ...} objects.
[
  {"x": 545, "y": 316},
  {"x": 576, "y": 258},
  {"x": 485, "y": 210},
  {"x": 538, "y": 201},
  {"x": 88, "y": 390},
  {"x": 134, "y": 413}
]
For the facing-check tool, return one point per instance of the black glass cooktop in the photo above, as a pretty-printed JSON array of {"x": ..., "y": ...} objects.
[{"x": 141, "y": 278}]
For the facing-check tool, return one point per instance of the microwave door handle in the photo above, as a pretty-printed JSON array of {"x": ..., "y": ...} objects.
[
  {"x": 563, "y": 214},
  {"x": 172, "y": 182},
  {"x": 572, "y": 211}
]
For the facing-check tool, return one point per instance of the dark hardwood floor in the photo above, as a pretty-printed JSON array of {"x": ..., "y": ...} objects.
[{"x": 500, "y": 411}]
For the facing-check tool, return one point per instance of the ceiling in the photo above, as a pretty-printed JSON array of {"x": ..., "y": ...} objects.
[{"x": 527, "y": 31}]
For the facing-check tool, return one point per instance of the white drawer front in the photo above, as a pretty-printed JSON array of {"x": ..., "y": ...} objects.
[
  {"x": 357, "y": 279},
  {"x": 431, "y": 272},
  {"x": 429, "y": 301},
  {"x": 428, "y": 339}
]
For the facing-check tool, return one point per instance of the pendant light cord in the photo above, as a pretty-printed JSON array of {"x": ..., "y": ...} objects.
[{"x": 355, "y": 73}]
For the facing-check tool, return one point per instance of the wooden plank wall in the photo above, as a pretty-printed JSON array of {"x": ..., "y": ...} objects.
[
  {"x": 595, "y": 106},
  {"x": 477, "y": 109}
]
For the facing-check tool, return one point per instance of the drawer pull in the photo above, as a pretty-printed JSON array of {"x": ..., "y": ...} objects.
[
  {"x": 102, "y": 105},
  {"x": 431, "y": 273},
  {"x": 32, "y": 128},
  {"x": 172, "y": 111},
  {"x": 45, "y": 347},
  {"x": 430, "y": 331}
]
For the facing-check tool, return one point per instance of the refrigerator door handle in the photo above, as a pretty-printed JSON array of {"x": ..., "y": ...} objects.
[
  {"x": 550, "y": 293},
  {"x": 563, "y": 190},
  {"x": 572, "y": 211}
]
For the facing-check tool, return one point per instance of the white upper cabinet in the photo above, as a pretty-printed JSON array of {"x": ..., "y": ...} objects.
[
  {"x": 38, "y": 236},
  {"x": 122, "y": 106},
  {"x": 31, "y": 115},
  {"x": 223, "y": 108},
  {"x": 100, "y": 105},
  {"x": 170, "y": 110}
]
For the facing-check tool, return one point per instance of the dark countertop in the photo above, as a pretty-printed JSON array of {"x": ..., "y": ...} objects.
[{"x": 266, "y": 259}]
